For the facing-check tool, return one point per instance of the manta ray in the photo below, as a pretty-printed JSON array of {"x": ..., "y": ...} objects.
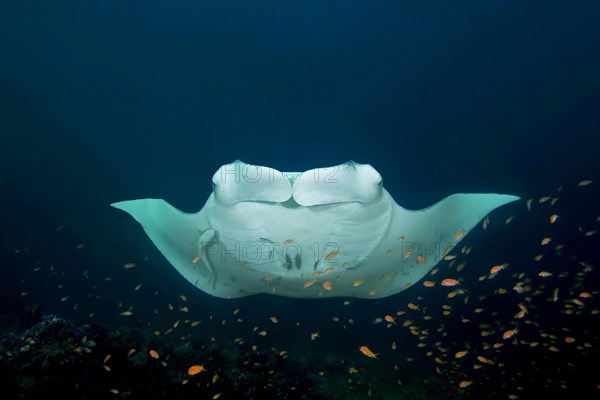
[{"x": 326, "y": 232}]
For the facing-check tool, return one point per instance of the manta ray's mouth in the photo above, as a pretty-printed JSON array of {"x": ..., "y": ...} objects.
[{"x": 290, "y": 203}]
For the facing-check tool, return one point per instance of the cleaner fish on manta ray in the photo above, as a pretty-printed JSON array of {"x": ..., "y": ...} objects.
[{"x": 325, "y": 232}]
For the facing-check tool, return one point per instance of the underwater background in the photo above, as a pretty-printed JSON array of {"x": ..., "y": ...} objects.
[{"x": 104, "y": 101}]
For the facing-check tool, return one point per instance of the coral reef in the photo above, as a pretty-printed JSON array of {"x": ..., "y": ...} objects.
[{"x": 86, "y": 361}]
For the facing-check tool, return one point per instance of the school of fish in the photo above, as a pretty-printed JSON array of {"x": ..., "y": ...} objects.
[{"x": 523, "y": 304}]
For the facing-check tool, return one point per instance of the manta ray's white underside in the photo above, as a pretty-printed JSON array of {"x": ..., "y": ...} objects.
[{"x": 325, "y": 232}]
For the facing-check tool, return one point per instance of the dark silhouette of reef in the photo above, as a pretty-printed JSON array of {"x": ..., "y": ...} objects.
[{"x": 56, "y": 357}]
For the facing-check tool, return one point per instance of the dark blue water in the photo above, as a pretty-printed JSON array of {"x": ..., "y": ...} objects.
[{"x": 109, "y": 101}]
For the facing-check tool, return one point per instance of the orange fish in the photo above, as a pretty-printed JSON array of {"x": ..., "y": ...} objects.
[
  {"x": 327, "y": 285},
  {"x": 195, "y": 259},
  {"x": 289, "y": 241},
  {"x": 196, "y": 369},
  {"x": 578, "y": 302},
  {"x": 331, "y": 255},
  {"x": 357, "y": 283},
  {"x": 509, "y": 333},
  {"x": 390, "y": 319},
  {"x": 483, "y": 360},
  {"x": 450, "y": 282},
  {"x": 459, "y": 234},
  {"x": 314, "y": 335},
  {"x": 421, "y": 259},
  {"x": 553, "y": 218},
  {"x": 367, "y": 352},
  {"x": 545, "y": 241},
  {"x": 522, "y": 307},
  {"x": 518, "y": 288},
  {"x": 274, "y": 320},
  {"x": 497, "y": 268},
  {"x": 429, "y": 284},
  {"x": 154, "y": 354},
  {"x": 464, "y": 384},
  {"x": 460, "y": 354},
  {"x": 309, "y": 283},
  {"x": 413, "y": 307},
  {"x": 448, "y": 248}
]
